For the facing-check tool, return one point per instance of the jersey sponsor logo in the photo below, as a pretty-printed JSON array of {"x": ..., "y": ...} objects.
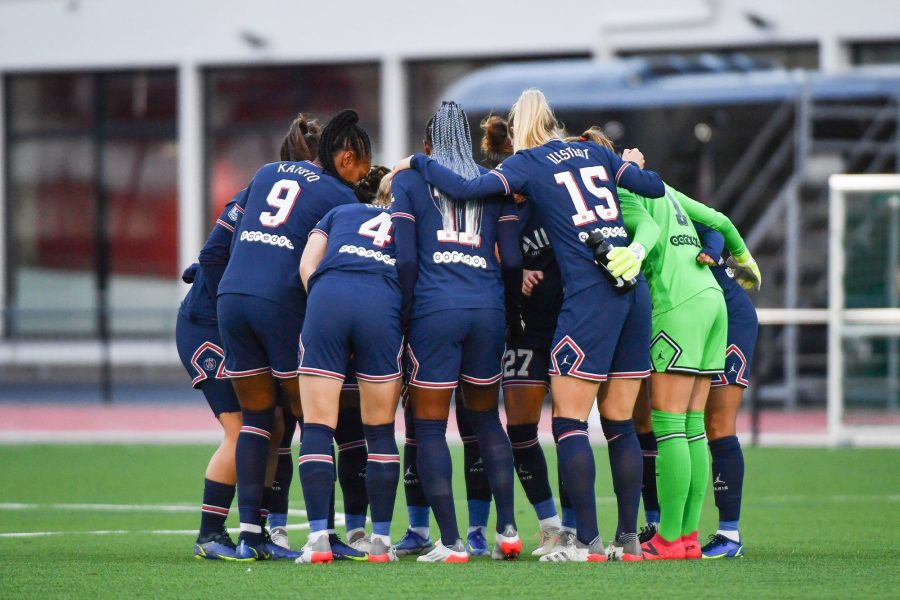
[
  {"x": 535, "y": 242},
  {"x": 279, "y": 241},
  {"x": 607, "y": 232},
  {"x": 476, "y": 262},
  {"x": 308, "y": 175},
  {"x": 368, "y": 253},
  {"x": 685, "y": 240}
]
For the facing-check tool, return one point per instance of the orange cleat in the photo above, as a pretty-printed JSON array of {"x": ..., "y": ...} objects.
[
  {"x": 691, "y": 546},
  {"x": 660, "y": 549}
]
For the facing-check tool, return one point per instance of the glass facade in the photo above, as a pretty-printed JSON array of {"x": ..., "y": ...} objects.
[{"x": 92, "y": 203}]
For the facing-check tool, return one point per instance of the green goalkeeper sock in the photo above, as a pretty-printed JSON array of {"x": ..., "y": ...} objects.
[
  {"x": 696, "y": 438},
  {"x": 673, "y": 471}
]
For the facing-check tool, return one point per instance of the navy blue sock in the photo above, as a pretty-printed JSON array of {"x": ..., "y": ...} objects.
[
  {"x": 416, "y": 502},
  {"x": 264, "y": 507},
  {"x": 576, "y": 464},
  {"x": 477, "y": 486},
  {"x": 351, "y": 467},
  {"x": 382, "y": 475},
  {"x": 496, "y": 454},
  {"x": 531, "y": 466},
  {"x": 728, "y": 479},
  {"x": 626, "y": 465},
  {"x": 567, "y": 517},
  {"x": 648, "y": 487},
  {"x": 433, "y": 457},
  {"x": 317, "y": 474},
  {"x": 217, "y": 499},
  {"x": 284, "y": 474},
  {"x": 251, "y": 455}
]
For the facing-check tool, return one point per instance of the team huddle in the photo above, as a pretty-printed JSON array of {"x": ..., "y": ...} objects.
[{"x": 330, "y": 291}]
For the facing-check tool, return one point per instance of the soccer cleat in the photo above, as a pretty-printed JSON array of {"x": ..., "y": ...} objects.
[
  {"x": 412, "y": 544},
  {"x": 691, "y": 547},
  {"x": 575, "y": 551},
  {"x": 476, "y": 543},
  {"x": 658, "y": 548},
  {"x": 358, "y": 540},
  {"x": 442, "y": 554},
  {"x": 343, "y": 551},
  {"x": 627, "y": 550},
  {"x": 720, "y": 546},
  {"x": 507, "y": 545},
  {"x": 381, "y": 553},
  {"x": 279, "y": 537},
  {"x": 646, "y": 534},
  {"x": 318, "y": 551},
  {"x": 549, "y": 540},
  {"x": 216, "y": 547},
  {"x": 245, "y": 551},
  {"x": 277, "y": 551}
]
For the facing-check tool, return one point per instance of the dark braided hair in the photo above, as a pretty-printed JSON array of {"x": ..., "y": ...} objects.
[
  {"x": 302, "y": 139},
  {"x": 342, "y": 133},
  {"x": 367, "y": 189}
]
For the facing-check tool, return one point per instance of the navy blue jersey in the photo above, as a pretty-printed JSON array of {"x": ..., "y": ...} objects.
[
  {"x": 199, "y": 305},
  {"x": 573, "y": 188},
  {"x": 359, "y": 241},
  {"x": 285, "y": 201},
  {"x": 539, "y": 310},
  {"x": 457, "y": 266},
  {"x": 713, "y": 245}
]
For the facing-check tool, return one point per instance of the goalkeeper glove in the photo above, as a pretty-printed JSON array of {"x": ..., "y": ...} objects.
[
  {"x": 746, "y": 271},
  {"x": 626, "y": 262}
]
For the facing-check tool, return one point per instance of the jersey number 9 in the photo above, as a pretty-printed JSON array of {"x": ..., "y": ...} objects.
[
  {"x": 282, "y": 196},
  {"x": 584, "y": 215}
]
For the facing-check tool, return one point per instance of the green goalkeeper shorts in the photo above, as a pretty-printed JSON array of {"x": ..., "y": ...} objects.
[{"x": 691, "y": 338}]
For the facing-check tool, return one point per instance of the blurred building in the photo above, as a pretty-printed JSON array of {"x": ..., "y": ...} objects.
[{"x": 125, "y": 126}]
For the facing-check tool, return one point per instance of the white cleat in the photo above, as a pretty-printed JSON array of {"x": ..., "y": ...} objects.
[
  {"x": 549, "y": 541},
  {"x": 318, "y": 551},
  {"x": 358, "y": 540},
  {"x": 575, "y": 551},
  {"x": 380, "y": 552},
  {"x": 279, "y": 537},
  {"x": 507, "y": 545},
  {"x": 442, "y": 554}
]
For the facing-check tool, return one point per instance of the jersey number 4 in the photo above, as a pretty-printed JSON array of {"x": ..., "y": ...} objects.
[
  {"x": 584, "y": 215},
  {"x": 378, "y": 228},
  {"x": 282, "y": 196}
]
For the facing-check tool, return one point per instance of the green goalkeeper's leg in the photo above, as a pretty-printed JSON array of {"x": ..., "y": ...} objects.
[
  {"x": 696, "y": 438},
  {"x": 673, "y": 471}
]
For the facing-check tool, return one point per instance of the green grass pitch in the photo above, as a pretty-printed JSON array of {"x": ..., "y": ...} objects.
[{"x": 816, "y": 523}]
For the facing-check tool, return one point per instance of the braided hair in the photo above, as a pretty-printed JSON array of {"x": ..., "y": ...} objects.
[
  {"x": 302, "y": 139},
  {"x": 452, "y": 148},
  {"x": 367, "y": 190},
  {"x": 342, "y": 133}
]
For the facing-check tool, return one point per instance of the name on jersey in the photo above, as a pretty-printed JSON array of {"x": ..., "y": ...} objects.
[
  {"x": 308, "y": 175},
  {"x": 368, "y": 253},
  {"x": 607, "y": 232},
  {"x": 447, "y": 257},
  {"x": 559, "y": 156},
  {"x": 279, "y": 241},
  {"x": 685, "y": 240}
]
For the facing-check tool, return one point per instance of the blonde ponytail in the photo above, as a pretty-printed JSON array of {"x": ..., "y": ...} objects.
[{"x": 531, "y": 121}]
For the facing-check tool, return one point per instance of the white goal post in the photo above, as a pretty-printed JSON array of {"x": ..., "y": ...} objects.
[{"x": 845, "y": 324}]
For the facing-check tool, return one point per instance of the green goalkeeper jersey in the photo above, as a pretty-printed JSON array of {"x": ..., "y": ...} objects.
[{"x": 671, "y": 266}]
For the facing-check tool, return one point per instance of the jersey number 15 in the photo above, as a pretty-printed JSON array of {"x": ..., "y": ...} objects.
[{"x": 584, "y": 215}]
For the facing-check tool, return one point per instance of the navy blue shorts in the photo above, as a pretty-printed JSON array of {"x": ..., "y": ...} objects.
[
  {"x": 354, "y": 316},
  {"x": 523, "y": 366},
  {"x": 603, "y": 334},
  {"x": 200, "y": 350},
  {"x": 459, "y": 344},
  {"x": 259, "y": 336},
  {"x": 743, "y": 326}
]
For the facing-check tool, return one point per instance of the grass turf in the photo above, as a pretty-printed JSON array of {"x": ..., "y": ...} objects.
[{"x": 817, "y": 523}]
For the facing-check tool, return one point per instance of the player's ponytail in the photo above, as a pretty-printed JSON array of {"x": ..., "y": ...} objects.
[
  {"x": 496, "y": 144},
  {"x": 342, "y": 133},
  {"x": 531, "y": 121},
  {"x": 594, "y": 134},
  {"x": 302, "y": 139},
  {"x": 369, "y": 190}
]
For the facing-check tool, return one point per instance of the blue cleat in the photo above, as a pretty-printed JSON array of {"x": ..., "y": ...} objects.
[
  {"x": 342, "y": 551},
  {"x": 412, "y": 544},
  {"x": 277, "y": 551},
  {"x": 246, "y": 552},
  {"x": 720, "y": 546},
  {"x": 476, "y": 543},
  {"x": 217, "y": 547}
]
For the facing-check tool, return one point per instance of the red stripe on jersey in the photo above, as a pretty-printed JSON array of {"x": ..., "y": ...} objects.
[
  {"x": 621, "y": 170},
  {"x": 319, "y": 231},
  {"x": 225, "y": 225},
  {"x": 503, "y": 179},
  {"x": 403, "y": 215}
]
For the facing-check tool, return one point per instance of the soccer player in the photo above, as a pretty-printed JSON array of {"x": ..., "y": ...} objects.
[
  {"x": 448, "y": 268},
  {"x": 526, "y": 363},
  {"x": 725, "y": 399},
  {"x": 601, "y": 331},
  {"x": 200, "y": 349},
  {"x": 688, "y": 345},
  {"x": 261, "y": 302},
  {"x": 350, "y": 254}
]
